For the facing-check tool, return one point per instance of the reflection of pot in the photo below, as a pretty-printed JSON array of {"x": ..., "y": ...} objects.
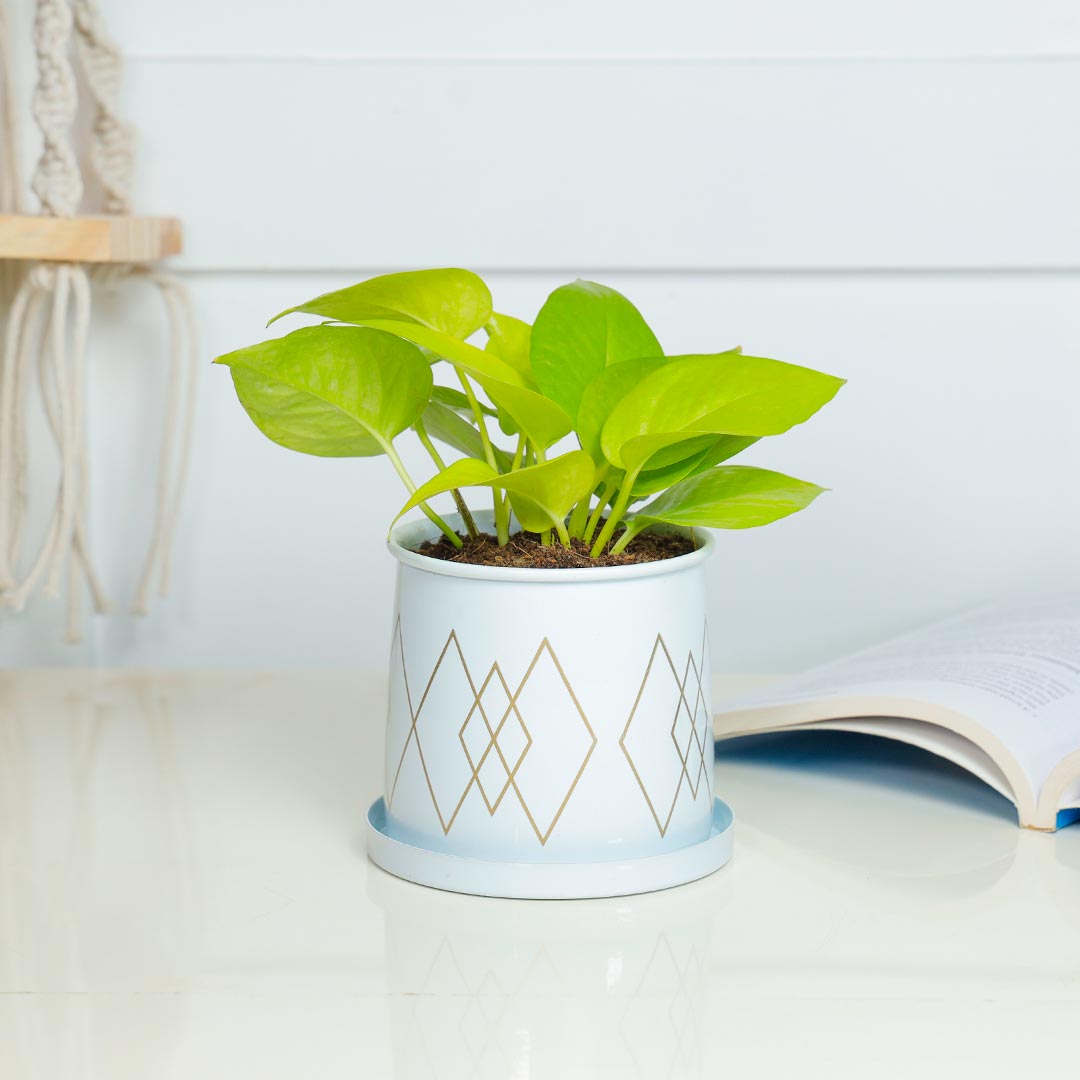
[
  {"x": 610, "y": 988},
  {"x": 541, "y": 718}
]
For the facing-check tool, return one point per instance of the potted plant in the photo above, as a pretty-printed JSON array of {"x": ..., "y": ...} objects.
[{"x": 549, "y": 728}]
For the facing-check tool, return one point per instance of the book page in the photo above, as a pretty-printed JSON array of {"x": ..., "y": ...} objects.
[
  {"x": 937, "y": 740},
  {"x": 1014, "y": 669}
]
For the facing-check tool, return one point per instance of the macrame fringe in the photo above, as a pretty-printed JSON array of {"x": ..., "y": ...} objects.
[{"x": 48, "y": 319}]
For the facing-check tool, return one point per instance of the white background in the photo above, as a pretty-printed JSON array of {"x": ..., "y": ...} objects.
[{"x": 888, "y": 192}]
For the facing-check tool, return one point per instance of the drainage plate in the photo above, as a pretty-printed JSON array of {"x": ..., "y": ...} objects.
[{"x": 549, "y": 881}]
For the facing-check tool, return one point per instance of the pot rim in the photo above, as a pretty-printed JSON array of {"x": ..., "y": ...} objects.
[{"x": 406, "y": 534}]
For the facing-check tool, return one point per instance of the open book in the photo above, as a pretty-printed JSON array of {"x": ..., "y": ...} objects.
[{"x": 996, "y": 691}]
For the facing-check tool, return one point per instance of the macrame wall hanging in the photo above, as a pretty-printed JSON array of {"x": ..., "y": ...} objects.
[{"x": 50, "y": 262}]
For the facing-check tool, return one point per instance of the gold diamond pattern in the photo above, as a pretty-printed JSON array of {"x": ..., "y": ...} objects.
[
  {"x": 691, "y": 746},
  {"x": 689, "y": 728},
  {"x": 493, "y": 750},
  {"x": 483, "y": 743}
]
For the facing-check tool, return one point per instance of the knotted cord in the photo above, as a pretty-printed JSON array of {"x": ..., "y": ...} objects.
[{"x": 49, "y": 319}]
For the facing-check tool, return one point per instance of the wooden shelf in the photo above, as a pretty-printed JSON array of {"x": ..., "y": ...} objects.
[{"x": 88, "y": 239}]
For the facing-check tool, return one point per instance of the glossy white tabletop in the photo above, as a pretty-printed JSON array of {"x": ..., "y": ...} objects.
[{"x": 184, "y": 894}]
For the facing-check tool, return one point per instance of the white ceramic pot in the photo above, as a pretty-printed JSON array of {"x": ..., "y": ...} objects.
[{"x": 549, "y": 731}]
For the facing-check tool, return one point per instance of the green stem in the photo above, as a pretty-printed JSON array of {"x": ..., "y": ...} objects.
[
  {"x": 632, "y": 529},
  {"x": 500, "y": 505},
  {"x": 579, "y": 518},
  {"x": 519, "y": 454},
  {"x": 617, "y": 512},
  {"x": 545, "y": 535},
  {"x": 602, "y": 501},
  {"x": 478, "y": 415},
  {"x": 459, "y": 502},
  {"x": 517, "y": 460},
  {"x": 407, "y": 480}
]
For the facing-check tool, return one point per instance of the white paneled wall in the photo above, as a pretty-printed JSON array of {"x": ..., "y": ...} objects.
[
  {"x": 725, "y": 28},
  {"x": 883, "y": 191},
  {"x": 665, "y": 164}
]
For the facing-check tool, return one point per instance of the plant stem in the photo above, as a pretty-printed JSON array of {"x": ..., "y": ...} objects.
[
  {"x": 580, "y": 516},
  {"x": 502, "y": 513},
  {"x": 407, "y": 480},
  {"x": 602, "y": 501},
  {"x": 631, "y": 531},
  {"x": 519, "y": 454},
  {"x": 545, "y": 535},
  {"x": 459, "y": 502},
  {"x": 617, "y": 512}
]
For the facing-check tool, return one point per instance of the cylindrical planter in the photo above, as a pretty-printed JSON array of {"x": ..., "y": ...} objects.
[{"x": 549, "y": 731}]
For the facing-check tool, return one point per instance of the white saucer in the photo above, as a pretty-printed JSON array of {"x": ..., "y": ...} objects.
[{"x": 549, "y": 881}]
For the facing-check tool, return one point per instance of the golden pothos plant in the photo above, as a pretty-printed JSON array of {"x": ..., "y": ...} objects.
[{"x": 404, "y": 353}]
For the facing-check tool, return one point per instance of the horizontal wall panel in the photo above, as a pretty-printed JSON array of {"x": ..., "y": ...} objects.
[
  {"x": 695, "y": 165},
  {"x": 597, "y": 28}
]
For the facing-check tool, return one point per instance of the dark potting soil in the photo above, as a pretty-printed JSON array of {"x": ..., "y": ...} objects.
[{"x": 525, "y": 550}]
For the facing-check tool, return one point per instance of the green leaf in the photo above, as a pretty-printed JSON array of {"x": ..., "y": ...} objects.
[
  {"x": 680, "y": 451},
  {"x": 603, "y": 392},
  {"x": 468, "y": 472},
  {"x": 662, "y": 474},
  {"x": 542, "y": 421},
  {"x": 581, "y": 329},
  {"x": 542, "y": 495},
  {"x": 456, "y": 431},
  {"x": 469, "y": 358},
  {"x": 637, "y": 453},
  {"x": 334, "y": 391},
  {"x": 508, "y": 339},
  {"x": 454, "y": 302},
  {"x": 728, "y": 497},
  {"x": 456, "y": 400},
  {"x": 294, "y": 419},
  {"x": 722, "y": 394}
]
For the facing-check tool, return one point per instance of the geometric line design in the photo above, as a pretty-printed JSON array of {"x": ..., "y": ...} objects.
[
  {"x": 493, "y": 737},
  {"x": 690, "y": 750},
  {"x": 542, "y": 834},
  {"x": 493, "y": 749},
  {"x": 396, "y": 635}
]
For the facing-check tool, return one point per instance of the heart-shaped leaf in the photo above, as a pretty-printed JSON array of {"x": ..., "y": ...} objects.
[
  {"x": 542, "y": 495},
  {"x": 723, "y": 394},
  {"x": 469, "y": 358},
  {"x": 582, "y": 329},
  {"x": 334, "y": 391},
  {"x": 543, "y": 422},
  {"x": 468, "y": 472},
  {"x": 509, "y": 339},
  {"x": 662, "y": 474},
  {"x": 603, "y": 392},
  {"x": 452, "y": 301},
  {"x": 727, "y": 497}
]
